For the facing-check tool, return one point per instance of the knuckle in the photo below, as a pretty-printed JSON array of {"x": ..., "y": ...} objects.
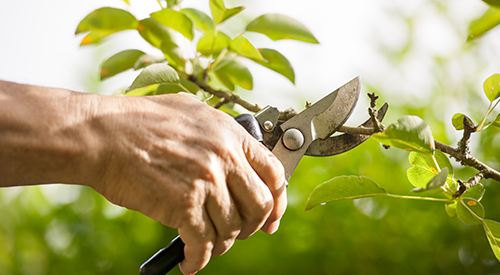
[
  {"x": 261, "y": 211},
  {"x": 209, "y": 241},
  {"x": 232, "y": 233},
  {"x": 276, "y": 169}
]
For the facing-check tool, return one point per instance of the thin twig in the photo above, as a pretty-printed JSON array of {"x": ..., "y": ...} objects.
[
  {"x": 221, "y": 103},
  {"x": 358, "y": 130},
  {"x": 372, "y": 111},
  {"x": 287, "y": 114}
]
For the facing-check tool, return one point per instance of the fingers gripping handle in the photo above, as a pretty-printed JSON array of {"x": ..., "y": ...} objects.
[
  {"x": 167, "y": 258},
  {"x": 250, "y": 123}
]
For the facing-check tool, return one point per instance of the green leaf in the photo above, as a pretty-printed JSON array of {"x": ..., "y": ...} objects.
[
  {"x": 475, "y": 192},
  {"x": 344, "y": 188},
  {"x": 197, "y": 69},
  {"x": 171, "y": 3},
  {"x": 277, "y": 27},
  {"x": 243, "y": 47},
  {"x": 224, "y": 80},
  {"x": 175, "y": 20},
  {"x": 184, "y": 85},
  {"x": 220, "y": 13},
  {"x": 155, "y": 74},
  {"x": 202, "y": 21},
  {"x": 235, "y": 73},
  {"x": 451, "y": 209},
  {"x": 470, "y": 211},
  {"x": 147, "y": 90},
  {"x": 103, "y": 22},
  {"x": 213, "y": 43},
  {"x": 491, "y": 87},
  {"x": 436, "y": 183},
  {"x": 489, "y": 20},
  {"x": 146, "y": 60},
  {"x": 228, "y": 58},
  {"x": 190, "y": 86},
  {"x": 495, "y": 3},
  {"x": 118, "y": 63},
  {"x": 496, "y": 122},
  {"x": 95, "y": 37},
  {"x": 277, "y": 62},
  {"x": 410, "y": 133},
  {"x": 168, "y": 89},
  {"x": 458, "y": 121},
  {"x": 173, "y": 54},
  {"x": 155, "y": 33},
  {"x": 424, "y": 169},
  {"x": 492, "y": 229}
]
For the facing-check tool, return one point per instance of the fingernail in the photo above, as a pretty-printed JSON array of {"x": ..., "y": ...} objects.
[{"x": 274, "y": 227}]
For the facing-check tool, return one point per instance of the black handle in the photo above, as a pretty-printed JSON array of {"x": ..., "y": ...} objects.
[
  {"x": 250, "y": 123},
  {"x": 167, "y": 258}
]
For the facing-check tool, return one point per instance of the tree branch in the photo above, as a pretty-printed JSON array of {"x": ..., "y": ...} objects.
[
  {"x": 470, "y": 183},
  {"x": 228, "y": 97},
  {"x": 468, "y": 160},
  {"x": 463, "y": 144},
  {"x": 461, "y": 154},
  {"x": 465, "y": 159}
]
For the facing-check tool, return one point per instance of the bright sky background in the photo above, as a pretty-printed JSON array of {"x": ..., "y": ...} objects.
[{"x": 38, "y": 45}]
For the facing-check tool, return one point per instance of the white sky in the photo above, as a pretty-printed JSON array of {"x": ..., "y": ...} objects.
[{"x": 38, "y": 45}]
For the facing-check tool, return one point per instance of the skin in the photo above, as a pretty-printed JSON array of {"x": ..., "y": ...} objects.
[{"x": 170, "y": 157}]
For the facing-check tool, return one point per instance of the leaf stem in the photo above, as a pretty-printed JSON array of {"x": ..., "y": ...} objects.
[
  {"x": 218, "y": 60},
  {"x": 470, "y": 210},
  {"x": 495, "y": 105},
  {"x": 436, "y": 163},
  {"x": 160, "y": 5},
  {"x": 184, "y": 88},
  {"x": 484, "y": 118},
  {"x": 418, "y": 198}
]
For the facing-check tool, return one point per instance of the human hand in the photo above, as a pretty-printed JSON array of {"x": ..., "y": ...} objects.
[{"x": 190, "y": 167}]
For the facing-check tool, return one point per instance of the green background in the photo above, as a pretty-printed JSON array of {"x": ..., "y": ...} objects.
[{"x": 73, "y": 230}]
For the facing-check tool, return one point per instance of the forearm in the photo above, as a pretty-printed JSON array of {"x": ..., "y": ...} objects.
[
  {"x": 171, "y": 157},
  {"x": 46, "y": 136}
]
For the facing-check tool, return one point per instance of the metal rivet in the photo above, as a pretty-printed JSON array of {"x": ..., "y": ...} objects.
[
  {"x": 268, "y": 125},
  {"x": 293, "y": 139}
]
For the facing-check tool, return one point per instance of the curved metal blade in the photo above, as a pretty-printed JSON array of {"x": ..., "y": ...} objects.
[
  {"x": 320, "y": 120},
  {"x": 339, "y": 144}
]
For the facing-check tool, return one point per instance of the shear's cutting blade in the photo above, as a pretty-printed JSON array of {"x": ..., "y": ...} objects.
[
  {"x": 320, "y": 120},
  {"x": 339, "y": 144}
]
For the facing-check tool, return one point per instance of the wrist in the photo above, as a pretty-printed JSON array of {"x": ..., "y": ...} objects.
[{"x": 47, "y": 136}]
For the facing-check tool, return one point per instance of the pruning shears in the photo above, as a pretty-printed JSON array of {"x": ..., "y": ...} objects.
[{"x": 307, "y": 133}]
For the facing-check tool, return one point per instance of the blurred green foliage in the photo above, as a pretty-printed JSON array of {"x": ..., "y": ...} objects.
[{"x": 73, "y": 230}]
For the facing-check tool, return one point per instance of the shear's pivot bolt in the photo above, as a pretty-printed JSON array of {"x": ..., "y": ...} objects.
[
  {"x": 293, "y": 139},
  {"x": 268, "y": 125}
]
